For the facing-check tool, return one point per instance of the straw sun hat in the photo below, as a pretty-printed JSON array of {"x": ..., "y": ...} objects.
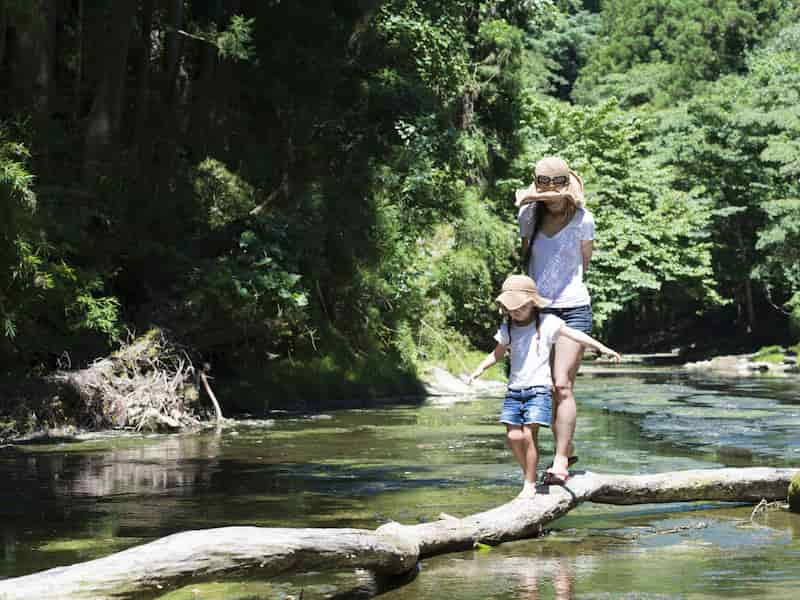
[
  {"x": 552, "y": 166},
  {"x": 519, "y": 290}
]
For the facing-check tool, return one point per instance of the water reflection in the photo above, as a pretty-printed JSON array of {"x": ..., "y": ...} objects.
[
  {"x": 529, "y": 570},
  {"x": 140, "y": 466},
  {"x": 560, "y": 575},
  {"x": 66, "y": 502}
]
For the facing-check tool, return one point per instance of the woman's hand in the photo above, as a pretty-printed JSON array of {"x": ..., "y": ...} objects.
[{"x": 531, "y": 194}]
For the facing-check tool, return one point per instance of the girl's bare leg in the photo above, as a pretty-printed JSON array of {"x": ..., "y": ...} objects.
[
  {"x": 522, "y": 444},
  {"x": 566, "y": 361},
  {"x": 516, "y": 441},
  {"x": 531, "y": 433}
]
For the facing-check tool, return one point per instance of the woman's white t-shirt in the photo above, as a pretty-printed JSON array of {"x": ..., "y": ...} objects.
[
  {"x": 557, "y": 262},
  {"x": 530, "y": 361}
]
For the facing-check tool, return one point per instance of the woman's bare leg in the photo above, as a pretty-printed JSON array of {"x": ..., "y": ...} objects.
[{"x": 566, "y": 361}]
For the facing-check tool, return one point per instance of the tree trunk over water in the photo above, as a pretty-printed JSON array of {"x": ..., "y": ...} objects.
[{"x": 392, "y": 549}]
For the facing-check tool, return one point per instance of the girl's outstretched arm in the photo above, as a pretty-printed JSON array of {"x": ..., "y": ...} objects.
[
  {"x": 587, "y": 340},
  {"x": 493, "y": 357}
]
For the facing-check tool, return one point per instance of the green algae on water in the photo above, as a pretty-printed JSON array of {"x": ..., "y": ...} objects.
[{"x": 794, "y": 494}]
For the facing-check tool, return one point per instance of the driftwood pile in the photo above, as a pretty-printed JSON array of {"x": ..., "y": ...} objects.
[
  {"x": 149, "y": 384},
  {"x": 392, "y": 549}
]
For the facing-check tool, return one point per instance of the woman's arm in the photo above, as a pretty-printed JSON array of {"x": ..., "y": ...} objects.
[
  {"x": 587, "y": 340},
  {"x": 492, "y": 358},
  {"x": 586, "y": 251}
]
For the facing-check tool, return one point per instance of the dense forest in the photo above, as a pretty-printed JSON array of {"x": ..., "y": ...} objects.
[{"x": 324, "y": 190}]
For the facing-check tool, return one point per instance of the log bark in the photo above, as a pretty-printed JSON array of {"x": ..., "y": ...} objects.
[
  {"x": 211, "y": 554},
  {"x": 392, "y": 549}
]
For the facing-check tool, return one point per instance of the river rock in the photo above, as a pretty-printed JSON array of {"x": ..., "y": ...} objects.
[
  {"x": 440, "y": 382},
  {"x": 734, "y": 365},
  {"x": 794, "y": 494},
  {"x": 740, "y": 365}
]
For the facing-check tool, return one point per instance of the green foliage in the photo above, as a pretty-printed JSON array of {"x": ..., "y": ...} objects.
[
  {"x": 648, "y": 234},
  {"x": 687, "y": 42},
  {"x": 794, "y": 494},
  {"x": 471, "y": 273},
  {"x": 225, "y": 196},
  {"x": 20, "y": 262},
  {"x": 737, "y": 143},
  {"x": 249, "y": 287},
  {"x": 770, "y": 354},
  {"x": 428, "y": 43},
  {"x": 465, "y": 278},
  {"x": 41, "y": 296},
  {"x": 328, "y": 379},
  {"x": 329, "y": 181},
  {"x": 557, "y": 53},
  {"x": 778, "y": 243},
  {"x": 236, "y": 42}
]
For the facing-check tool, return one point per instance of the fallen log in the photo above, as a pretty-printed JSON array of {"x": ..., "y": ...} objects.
[{"x": 392, "y": 549}]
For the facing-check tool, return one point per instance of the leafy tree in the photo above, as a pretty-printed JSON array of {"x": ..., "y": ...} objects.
[
  {"x": 558, "y": 51},
  {"x": 739, "y": 142},
  {"x": 19, "y": 263},
  {"x": 651, "y": 239},
  {"x": 684, "y": 42}
]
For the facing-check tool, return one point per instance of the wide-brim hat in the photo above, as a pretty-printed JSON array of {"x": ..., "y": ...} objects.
[
  {"x": 519, "y": 290},
  {"x": 553, "y": 166}
]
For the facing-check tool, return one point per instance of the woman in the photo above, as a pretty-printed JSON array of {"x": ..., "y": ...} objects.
[{"x": 557, "y": 236}]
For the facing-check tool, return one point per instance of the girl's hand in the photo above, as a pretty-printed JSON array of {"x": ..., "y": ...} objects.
[{"x": 612, "y": 353}]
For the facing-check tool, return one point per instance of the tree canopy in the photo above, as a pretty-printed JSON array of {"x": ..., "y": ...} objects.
[{"x": 329, "y": 186}]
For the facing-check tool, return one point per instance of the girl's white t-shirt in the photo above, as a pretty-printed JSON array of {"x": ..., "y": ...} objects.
[
  {"x": 557, "y": 262},
  {"x": 530, "y": 362}
]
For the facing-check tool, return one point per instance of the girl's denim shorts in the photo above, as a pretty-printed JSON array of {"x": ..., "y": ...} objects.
[
  {"x": 528, "y": 406},
  {"x": 578, "y": 317}
]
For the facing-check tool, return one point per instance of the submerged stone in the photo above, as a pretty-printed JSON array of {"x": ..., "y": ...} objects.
[{"x": 794, "y": 494}]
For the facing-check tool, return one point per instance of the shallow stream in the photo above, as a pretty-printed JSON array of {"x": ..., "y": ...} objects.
[{"x": 67, "y": 501}]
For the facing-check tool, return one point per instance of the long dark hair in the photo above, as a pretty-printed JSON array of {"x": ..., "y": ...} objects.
[{"x": 538, "y": 215}]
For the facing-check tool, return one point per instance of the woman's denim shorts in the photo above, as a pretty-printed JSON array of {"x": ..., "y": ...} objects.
[
  {"x": 528, "y": 406},
  {"x": 578, "y": 317}
]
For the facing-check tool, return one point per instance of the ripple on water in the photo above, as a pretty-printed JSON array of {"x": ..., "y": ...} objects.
[{"x": 753, "y": 416}]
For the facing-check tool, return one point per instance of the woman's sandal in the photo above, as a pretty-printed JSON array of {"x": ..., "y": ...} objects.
[
  {"x": 550, "y": 477},
  {"x": 553, "y": 478}
]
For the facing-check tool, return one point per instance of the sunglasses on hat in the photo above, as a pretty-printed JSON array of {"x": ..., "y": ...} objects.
[{"x": 558, "y": 180}]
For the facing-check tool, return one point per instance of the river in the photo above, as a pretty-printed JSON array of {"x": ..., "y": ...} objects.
[{"x": 67, "y": 501}]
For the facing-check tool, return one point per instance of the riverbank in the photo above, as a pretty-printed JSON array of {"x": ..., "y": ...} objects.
[
  {"x": 771, "y": 360},
  {"x": 42, "y": 407}
]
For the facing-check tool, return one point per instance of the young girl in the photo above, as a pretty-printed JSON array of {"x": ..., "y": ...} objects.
[{"x": 530, "y": 335}]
